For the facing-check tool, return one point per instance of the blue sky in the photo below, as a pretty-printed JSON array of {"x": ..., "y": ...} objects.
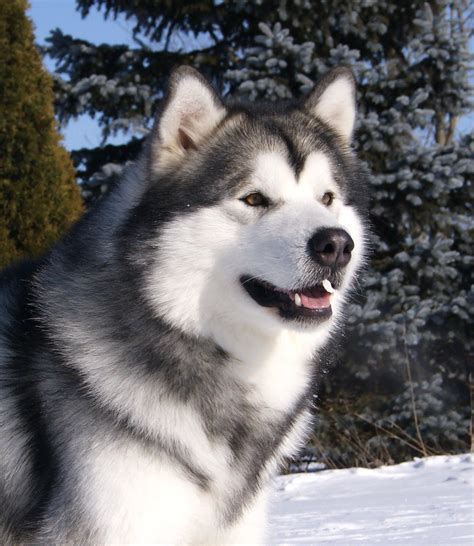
[{"x": 50, "y": 14}]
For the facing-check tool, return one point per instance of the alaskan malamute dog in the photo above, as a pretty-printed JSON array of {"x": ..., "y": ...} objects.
[{"x": 155, "y": 366}]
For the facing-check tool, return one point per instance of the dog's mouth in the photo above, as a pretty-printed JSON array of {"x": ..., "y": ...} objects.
[{"x": 312, "y": 302}]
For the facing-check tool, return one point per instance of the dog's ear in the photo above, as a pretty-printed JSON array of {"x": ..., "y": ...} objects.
[
  {"x": 333, "y": 101},
  {"x": 190, "y": 111}
]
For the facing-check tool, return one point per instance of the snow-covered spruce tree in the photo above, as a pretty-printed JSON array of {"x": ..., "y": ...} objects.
[{"x": 400, "y": 386}]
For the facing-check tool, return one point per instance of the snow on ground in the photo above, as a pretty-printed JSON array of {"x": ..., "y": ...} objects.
[{"x": 424, "y": 502}]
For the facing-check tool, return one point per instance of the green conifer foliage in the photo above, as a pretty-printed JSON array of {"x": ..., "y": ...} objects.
[{"x": 38, "y": 195}]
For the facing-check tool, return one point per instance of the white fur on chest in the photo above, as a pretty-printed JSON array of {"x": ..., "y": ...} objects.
[
  {"x": 131, "y": 496},
  {"x": 134, "y": 496},
  {"x": 277, "y": 369}
]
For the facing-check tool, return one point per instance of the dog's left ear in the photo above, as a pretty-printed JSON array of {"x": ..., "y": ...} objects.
[
  {"x": 333, "y": 101},
  {"x": 191, "y": 110}
]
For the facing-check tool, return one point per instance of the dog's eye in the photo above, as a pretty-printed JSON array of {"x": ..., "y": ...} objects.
[
  {"x": 255, "y": 199},
  {"x": 328, "y": 199}
]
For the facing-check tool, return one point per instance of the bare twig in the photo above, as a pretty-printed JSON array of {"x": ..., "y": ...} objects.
[
  {"x": 413, "y": 443},
  {"x": 412, "y": 395},
  {"x": 471, "y": 400}
]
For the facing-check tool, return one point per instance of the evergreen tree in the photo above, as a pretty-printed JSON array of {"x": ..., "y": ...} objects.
[
  {"x": 409, "y": 329},
  {"x": 38, "y": 194}
]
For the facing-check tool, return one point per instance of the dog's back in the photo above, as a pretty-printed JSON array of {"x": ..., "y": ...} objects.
[{"x": 24, "y": 461}]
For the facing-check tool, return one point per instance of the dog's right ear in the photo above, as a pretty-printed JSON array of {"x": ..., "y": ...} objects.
[{"x": 191, "y": 110}]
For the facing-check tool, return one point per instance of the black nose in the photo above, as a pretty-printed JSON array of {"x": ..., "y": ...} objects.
[{"x": 331, "y": 247}]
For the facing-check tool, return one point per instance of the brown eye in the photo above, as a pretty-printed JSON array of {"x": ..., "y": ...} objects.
[
  {"x": 255, "y": 199},
  {"x": 327, "y": 199}
]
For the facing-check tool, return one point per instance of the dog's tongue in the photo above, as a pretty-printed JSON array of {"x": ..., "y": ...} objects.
[{"x": 312, "y": 302}]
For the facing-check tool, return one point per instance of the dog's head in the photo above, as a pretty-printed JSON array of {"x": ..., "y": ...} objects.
[{"x": 253, "y": 213}]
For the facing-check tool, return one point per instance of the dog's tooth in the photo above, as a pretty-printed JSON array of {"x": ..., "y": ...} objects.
[
  {"x": 328, "y": 286},
  {"x": 298, "y": 300}
]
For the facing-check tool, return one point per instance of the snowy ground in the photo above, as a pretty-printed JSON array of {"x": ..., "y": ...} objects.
[{"x": 424, "y": 502}]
